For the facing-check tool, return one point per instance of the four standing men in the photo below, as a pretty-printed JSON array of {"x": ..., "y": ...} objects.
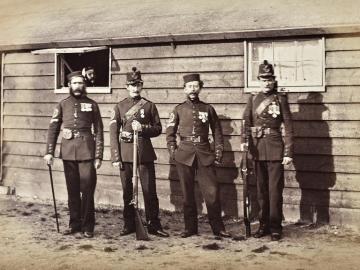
[
  {"x": 193, "y": 156},
  {"x": 140, "y": 114},
  {"x": 264, "y": 114},
  {"x": 82, "y": 151}
]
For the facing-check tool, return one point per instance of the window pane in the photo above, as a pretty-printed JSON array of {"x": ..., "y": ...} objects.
[
  {"x": 297, "y": 63},
  {"x": 309, "y": 72},
  {"x": 284, "y": 51},
  {"x": 261, "y": 51},
  {"x": 285, "y": 71},
  {"x": 309, "y": 50}
]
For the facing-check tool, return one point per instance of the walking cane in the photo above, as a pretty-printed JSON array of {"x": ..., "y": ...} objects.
[
  {"x": 141, "y": 233},
  {"x": 53, "y": 194}
]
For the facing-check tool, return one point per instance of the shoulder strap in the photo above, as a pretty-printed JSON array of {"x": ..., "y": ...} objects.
[
  {"x": 134, "y": 109},
  {"x": 262, "y": 106}
]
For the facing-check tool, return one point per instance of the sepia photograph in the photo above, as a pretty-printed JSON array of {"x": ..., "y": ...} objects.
[{"x": 190, "y": 135}]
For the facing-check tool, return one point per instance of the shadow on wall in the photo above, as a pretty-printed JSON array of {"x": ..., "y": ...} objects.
[
  {"x": 313, "y": 162},
  {"x": 228, "y": 173}
]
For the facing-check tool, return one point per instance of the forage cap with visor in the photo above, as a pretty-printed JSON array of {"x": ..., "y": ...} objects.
[
  {"x": 266, "y": 70},
  {"x": 134, "y": 76},
  {"x": 74, "y": 74}
]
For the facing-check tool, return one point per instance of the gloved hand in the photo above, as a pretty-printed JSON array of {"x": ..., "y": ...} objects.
[
  {"x": 118, "y": 164},
  {"x": 97, "y": 163},
  {"x": 244, "y": 147},
  {"x": 136, "y": 126},
  {"x": 218, "y": 156},
  {"x": 49, "y": 159},
  {"x": 287, "y": 160},
  {"x": 172, "y": 150}
]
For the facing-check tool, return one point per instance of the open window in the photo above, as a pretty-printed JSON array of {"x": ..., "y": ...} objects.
[
  {"x": 299, "y": 65},
  {"x": 72, "y": 59}
]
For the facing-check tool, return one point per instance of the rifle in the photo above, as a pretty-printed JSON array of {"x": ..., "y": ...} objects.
[
  {"x": 246, "y": 194},
  {"x": 141, "y": 232},
  {"x": 53, "y": 194}
]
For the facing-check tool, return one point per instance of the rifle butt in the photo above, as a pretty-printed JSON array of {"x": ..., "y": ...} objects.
[{"x": 141, "y": 232}]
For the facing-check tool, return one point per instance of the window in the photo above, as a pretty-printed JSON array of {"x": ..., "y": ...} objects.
[
  {"x": 299, "y": 65},
  {"x": 72, "y": 59}
]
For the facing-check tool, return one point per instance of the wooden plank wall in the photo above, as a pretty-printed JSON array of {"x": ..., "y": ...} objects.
[{"x": 323, "y": 184}]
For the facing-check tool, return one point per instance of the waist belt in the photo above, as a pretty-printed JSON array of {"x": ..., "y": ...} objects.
[
  {"x": 258, "y": 132},
  {"x": 75, "y": 133},
  {"x": 194, "y": 139}
]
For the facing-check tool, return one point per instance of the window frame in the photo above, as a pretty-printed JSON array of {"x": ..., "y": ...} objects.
[
  {"x": 61, "y": 51},
  {"x": 282, "y": 88}
]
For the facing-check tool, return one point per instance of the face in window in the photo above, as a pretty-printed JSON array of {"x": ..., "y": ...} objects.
[
  {"x": 267, "y": 84},
  {"x": 134, "y": 89},
  {"x": 192, "y": 89},
  {"x": 90, "y": 76},
  {"x": 77, "y": 86}
]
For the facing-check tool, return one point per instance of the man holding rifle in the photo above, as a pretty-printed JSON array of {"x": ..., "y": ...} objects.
[
  {"x": 136, "y": 113},
  {"x": 81, "y": 152},
  {"x": 264, "y": 114}
]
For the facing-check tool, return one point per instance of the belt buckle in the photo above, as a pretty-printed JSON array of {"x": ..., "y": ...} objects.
[
  {"x": 76, "y": 134},
  {"x": 267, "y": 131},
  {"x": 195, "y": 139}
]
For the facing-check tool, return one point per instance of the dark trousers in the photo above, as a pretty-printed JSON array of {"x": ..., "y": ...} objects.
[
  {"x": 148, "y": 184},
  {"x": 81, "y": 182},
  {"x": 209, "y": 189},
  {"x": 270, "y": 185}
]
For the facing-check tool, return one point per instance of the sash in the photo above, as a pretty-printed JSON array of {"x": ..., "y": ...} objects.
[
  {"x": 134, "y": 109},
  {"x": 263, "y": 105}
]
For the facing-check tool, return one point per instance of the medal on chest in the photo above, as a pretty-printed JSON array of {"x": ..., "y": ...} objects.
[
  {"x": 142, "y": 113},
  {"x": 86, "y": 107},
  {"x": 203, "y": 116},
  {"x": 274, "y": 109}
]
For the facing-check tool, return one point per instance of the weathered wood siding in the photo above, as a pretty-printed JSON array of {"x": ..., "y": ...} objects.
[{"x": 323, "y": 182}]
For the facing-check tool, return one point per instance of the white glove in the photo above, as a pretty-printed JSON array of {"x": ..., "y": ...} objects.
[
  {"x": 136, "y": 126},
  {"x": 97, "y": 163},
  {"x": 287, "y": 160},
  {"x": 49, "y": 159}
]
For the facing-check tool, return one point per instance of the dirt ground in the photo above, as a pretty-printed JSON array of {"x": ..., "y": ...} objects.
[{"x": 28, "y": 240}]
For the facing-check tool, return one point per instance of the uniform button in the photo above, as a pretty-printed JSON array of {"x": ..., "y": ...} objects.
[{"x": 74, "y": 125}]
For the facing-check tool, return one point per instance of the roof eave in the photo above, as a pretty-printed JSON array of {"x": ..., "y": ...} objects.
[{"x": 177, "y": 38}]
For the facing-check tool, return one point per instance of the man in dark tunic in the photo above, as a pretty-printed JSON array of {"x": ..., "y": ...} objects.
[
  {"x": 264, "y": 114},
  {"x": 140, "y": 114},
  {"x": 81, "y": 151},
  {"x": 193, "y": 155}
]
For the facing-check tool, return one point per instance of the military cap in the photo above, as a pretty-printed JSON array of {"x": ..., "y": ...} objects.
[
  {"x": 134, "y": 76},
  {"x": 191, "y": 77},
  {"x": 266, "y": 70},
  {"x": 74, "y": 74}
]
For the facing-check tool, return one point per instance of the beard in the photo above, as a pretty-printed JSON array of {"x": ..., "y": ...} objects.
[{"x": 78, "y": 93}]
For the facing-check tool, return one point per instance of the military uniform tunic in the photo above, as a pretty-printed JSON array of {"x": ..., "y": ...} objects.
[
  {"x": 192, "y": 120},
  {"x": 264, "y": 115},
  {"x": 82, "y": 142},
  {"x": 122, "y": 150}
]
